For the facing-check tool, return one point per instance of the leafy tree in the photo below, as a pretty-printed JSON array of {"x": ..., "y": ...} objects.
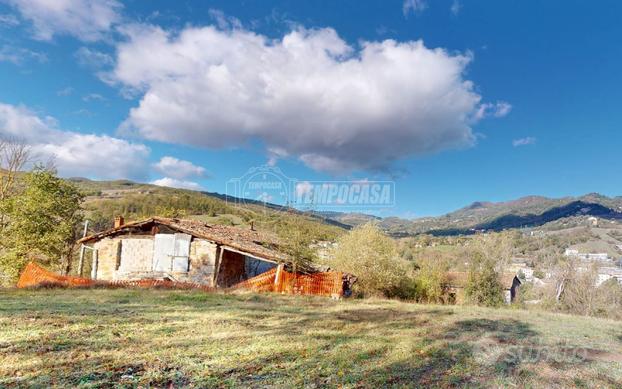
[
  {"x": 372, "y": 256},
  {"x": 431, "y": 278},
  {"x": 42, "y": 221},
  {"x": 483, "y": 286},
  {"x": 296, "y": 240}
]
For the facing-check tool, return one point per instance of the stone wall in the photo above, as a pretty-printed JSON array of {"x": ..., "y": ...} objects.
[
  {"x": 107, "y": 257},
  {"x": 136, "y": 256},
  {"x": 202, "y": 261},
  {"x": 125, "y": 257}
]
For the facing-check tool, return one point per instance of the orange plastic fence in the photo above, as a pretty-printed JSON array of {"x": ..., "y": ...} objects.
[
  {"x": 328, "y": 284},
  {"x": 34, "y": 275},
  {"x": 261, "y": 283}
]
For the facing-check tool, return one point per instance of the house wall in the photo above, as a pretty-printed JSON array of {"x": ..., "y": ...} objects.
[
  {"x": 107, "y": 257},
  {"x": 124, "y": 257},
  {"x": 202, "y": 261},
  {"x": 136, "y": 256}
]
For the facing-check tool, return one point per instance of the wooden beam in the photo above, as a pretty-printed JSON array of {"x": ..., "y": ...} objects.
[
  {"x": 248, "y": 254},
  {"x": 94, "y": 266},
  {"x": 219, "y": 255},
  {"x": 278, "y": 278},
  {"x": 81, "y": 263}
]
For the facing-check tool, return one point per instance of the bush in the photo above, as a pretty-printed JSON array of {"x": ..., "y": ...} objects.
[
  {"x": 372, "y": 256},
  {"x": 431, "y": 279},
  {"x": 483, "y": 286}
]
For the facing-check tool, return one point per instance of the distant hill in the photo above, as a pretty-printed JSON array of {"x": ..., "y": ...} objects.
[
  {"x": 132, "y": 198},
  {"x": 525, "y": 212},
  {"x": 105, "y": 199}
]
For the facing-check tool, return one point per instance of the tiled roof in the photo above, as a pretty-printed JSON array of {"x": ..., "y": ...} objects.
[{"x": 259, "y": 244}]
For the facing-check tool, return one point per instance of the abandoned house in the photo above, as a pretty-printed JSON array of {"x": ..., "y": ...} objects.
[
  {"x": 457, "y": 281},
  {"x": 180, "y": 250}
]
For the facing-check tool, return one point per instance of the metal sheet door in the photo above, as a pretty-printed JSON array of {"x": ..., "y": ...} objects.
[
  {"x": 182, "y": 252},
  {"x": 163, "y": 248}
]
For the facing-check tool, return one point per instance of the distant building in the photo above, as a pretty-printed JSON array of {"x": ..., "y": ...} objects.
[
  {"x": 586, "y": 256},
  {"x": 521, "y": 267},
  {"x": 607, "y": 273},
  {"x": 457, "y": 281}
]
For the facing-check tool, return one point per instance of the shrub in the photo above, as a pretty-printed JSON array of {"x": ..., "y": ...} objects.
[
  {"x": 431, "y": 279},
  {"x": 483, "y": 286},
  {"x": 372, "y": 256}
]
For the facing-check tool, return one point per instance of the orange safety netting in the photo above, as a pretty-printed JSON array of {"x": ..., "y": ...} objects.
[
  {"x": 328, "y": 284},
  {"x": 34, "y": 275}
]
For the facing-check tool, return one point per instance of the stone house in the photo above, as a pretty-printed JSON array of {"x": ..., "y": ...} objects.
[
  {"x": 457, "y": 281},
  {"x": 180, "y": 250}
]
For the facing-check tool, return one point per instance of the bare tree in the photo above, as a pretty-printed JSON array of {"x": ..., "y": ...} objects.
[{"x": 14, "y": 155}]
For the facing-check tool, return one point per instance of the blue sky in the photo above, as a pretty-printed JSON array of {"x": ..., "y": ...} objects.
[{"x": 457, "y": 101}]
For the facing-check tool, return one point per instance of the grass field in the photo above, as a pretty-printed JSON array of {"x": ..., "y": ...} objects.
[{"x": 95, "y": 338}]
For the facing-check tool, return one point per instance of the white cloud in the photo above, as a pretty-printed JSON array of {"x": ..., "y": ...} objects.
[
  {"x": 87, "y": 20},
  {"x": 455, "y": 8},
  {"x": 93, "y": 58},
  {"x": 66, "y": 91},
  {"x": 413, "y": 6},
  {"x": 302, "y": 188},
  {"x": 523, "y": 141},
  {"x": 308, "y": 95},
  {"x": 8, "y": 20},
  {"x": 179, "y": 169},
  {"x": 93, "y": 97},
  {"x": 498, "y": 110},
  {"x": 19, "y": 55},
  {"x": 74, "y": 154},
  {"x": 174, "y": 183}
]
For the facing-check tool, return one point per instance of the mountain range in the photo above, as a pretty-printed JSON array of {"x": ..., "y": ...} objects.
[{"x": 525, "y": 212}]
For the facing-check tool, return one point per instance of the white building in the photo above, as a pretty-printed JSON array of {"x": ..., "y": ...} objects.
[{"x": 586, "y": 256}]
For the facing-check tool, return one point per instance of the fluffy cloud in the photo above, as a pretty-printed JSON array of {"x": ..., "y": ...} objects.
[
  {"x": 179, "y": 169},
  {"x": 74, "y": 154},
  {"x": 8, "y": 20},
  {"x": 309, "y": 95},
  {"x": 88, "y": 20},
  {"x": 302, "y": 188},
  {"x": 455, "y": 8},
  {"x": 498, "y": 110},
  {"x": 173, "y": 183},
  {"x": 93, "y": 58},
  {"x": 93, "y": 97},
  {"x": 413, "y": 6},
  {"x": 19, "y": 55},
  {"x": 523, "y": 141}
]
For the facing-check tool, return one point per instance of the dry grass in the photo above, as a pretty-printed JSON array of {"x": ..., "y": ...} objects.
[{"x": 130, "y": 338}]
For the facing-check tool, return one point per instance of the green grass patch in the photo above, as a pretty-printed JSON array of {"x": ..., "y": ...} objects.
[{"x": 158, "y": 338}]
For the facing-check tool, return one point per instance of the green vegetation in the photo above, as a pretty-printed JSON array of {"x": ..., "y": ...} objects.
[
  {"x": 158, "y": 338},
  {"x": 483, "y": 286},
  {"x": 372, "y": 256},
  {"x": 138, "y": 201},
  {"x": 40, "y": 221},
  {"x": 296, "y": 244}
]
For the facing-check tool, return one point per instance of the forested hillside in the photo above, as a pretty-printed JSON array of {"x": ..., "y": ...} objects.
[{"x": 106, "y": 199}]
